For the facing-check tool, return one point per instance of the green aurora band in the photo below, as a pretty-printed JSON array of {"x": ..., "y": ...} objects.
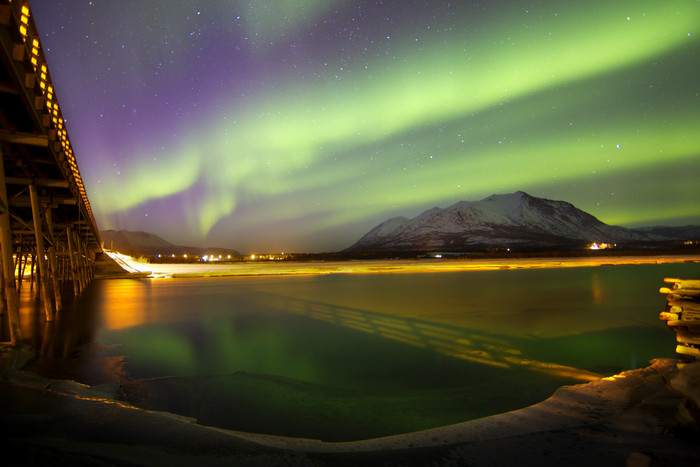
[{"x": 582, "y": 102}]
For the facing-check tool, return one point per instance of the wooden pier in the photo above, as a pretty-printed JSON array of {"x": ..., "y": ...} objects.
[
  {"x": 48, "y": 234},
  {"x": 682, "y": 315}
]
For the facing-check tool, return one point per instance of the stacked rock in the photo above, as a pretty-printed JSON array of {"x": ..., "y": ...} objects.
[{"x": 682, "y": 315}]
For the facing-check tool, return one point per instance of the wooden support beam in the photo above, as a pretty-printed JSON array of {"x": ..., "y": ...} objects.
[
  {"x": 3, "y": 303},
  {"x": 28, "y": 139},
  {"x": 85, "y": 269},
  {"x": 73, "y": 261},
  {"x": 62, "y": 255},
  {"x": 51, "y": 252},
  {"x": 8, "y": 264},
  {"x": 33, "y": 273},
  {"x": 21, "y": 267},
  {"x": 40, "y": 253},
  {"x": 80, "y": 261},
  {"x": 30, "y": 229},
  {"x": 54, "y": 201},
  {"x": 36, "y": 181}
]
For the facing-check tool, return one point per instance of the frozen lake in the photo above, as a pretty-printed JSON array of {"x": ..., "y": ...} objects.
[{"x": 350, "y": 356}]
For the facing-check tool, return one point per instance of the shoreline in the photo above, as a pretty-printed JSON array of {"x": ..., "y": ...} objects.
[
  {"x": 398, "y": 266},
  {"x": 645, "y": 415}
]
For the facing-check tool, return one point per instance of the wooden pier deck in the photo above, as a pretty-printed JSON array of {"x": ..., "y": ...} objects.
[{"x": 47, "y": 229}]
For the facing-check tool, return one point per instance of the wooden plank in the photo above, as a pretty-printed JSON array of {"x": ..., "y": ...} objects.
[
  {"x": 695, "y": 293},
  {"x": 685, "y": 305},
  {"x": 688, "y": 339},
  {"x": 693, "y": 326},
  {"x": 680, "y": 292},
  {"x": 685, "y": 350},
  {"x": 684, "y": 335},
  {"x": 690, "y": 315},
  {"x": 684, "y": 283},
  {"x": 668, "y": 316}
]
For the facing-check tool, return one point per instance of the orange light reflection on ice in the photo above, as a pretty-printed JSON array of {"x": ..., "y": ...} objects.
[{"x": 126, "y": 304}]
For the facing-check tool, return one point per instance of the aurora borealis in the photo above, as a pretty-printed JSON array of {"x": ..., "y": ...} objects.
[{"x": 299, "y": 125}]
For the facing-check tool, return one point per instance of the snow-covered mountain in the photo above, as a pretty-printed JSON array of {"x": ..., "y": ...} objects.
[
  {"x": 377, "y": 235},
  {"x": 509, "y": 220}
]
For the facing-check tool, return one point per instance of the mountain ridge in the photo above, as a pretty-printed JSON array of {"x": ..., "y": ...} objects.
[{"x": 505, "y": 221}]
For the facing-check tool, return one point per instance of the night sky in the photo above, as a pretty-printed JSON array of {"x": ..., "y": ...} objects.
[{"x": 298, "y": 125}]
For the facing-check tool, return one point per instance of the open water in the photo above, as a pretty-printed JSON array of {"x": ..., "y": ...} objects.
[{"x": 351, "y": 356}]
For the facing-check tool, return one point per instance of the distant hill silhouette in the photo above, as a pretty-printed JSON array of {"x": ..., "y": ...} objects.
[{"x": 147, "y": 244}]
